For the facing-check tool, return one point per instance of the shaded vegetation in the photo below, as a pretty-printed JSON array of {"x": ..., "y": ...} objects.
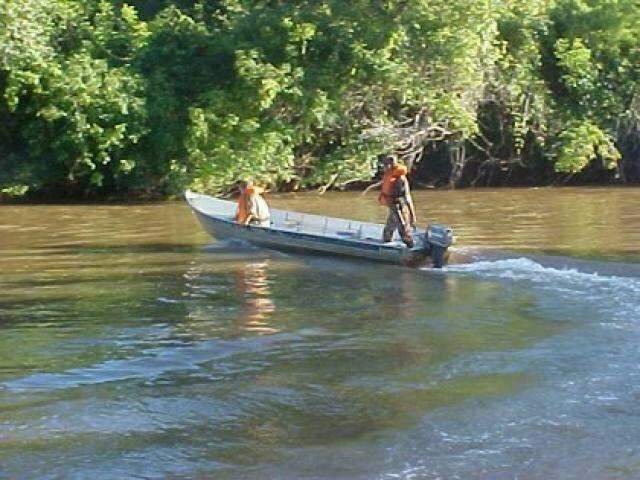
[{"x": 148, "y": 98}]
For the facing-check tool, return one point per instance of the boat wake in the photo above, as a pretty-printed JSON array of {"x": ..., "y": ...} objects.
[
  {"x": 524, "y": 268},
  {"x": 582, "y": 380},
  {"x": 611, "y": 288}
]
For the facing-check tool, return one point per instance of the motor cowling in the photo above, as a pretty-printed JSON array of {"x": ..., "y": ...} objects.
[{"x": 438, "y": 238}]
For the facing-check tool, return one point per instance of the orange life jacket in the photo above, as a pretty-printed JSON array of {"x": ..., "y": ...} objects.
[
  {"x": 243, "y": 202},
  {"x": 389, "y": 180}
]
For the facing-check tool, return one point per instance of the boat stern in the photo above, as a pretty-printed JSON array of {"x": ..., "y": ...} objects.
[{"x": 437, "y": 239}]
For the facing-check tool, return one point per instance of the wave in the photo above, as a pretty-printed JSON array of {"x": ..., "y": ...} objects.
[
  {"x": 152, "y": 363},
  {"x": 524, "y": 268},
  {"x": 618, "y": 295}
]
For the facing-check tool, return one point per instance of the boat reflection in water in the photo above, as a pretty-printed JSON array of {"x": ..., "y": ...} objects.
[
  {"x": 228, "y": 299},
  {"x": 252, "y": 287}
]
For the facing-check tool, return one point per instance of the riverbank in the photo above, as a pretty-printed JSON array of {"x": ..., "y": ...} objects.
[{"x": 144, "y": 198}]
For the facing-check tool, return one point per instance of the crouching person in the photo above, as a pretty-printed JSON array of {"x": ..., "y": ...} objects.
[{"x": 252, "y": 208}]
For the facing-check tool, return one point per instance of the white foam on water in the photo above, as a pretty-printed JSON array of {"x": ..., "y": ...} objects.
[
  {"x": 526, "y": 269},
  {"x": 567, "y": 280}
]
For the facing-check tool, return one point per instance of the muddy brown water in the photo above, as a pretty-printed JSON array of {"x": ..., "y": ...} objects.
[{"x": 132, "y": 345}]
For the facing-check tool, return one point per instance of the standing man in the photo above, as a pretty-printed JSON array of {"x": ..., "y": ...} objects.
[
  {"x": 252, "y": 208},
  {"x": 396, "y": 196}
]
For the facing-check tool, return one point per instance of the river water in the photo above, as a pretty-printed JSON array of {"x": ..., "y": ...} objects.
[{"x": 133, "y": 346}]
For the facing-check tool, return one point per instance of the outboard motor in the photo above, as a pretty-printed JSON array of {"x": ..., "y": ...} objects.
[{"x": 438, "y": 238}]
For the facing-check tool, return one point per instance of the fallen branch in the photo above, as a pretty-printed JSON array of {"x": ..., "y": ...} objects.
[
  {"x": 371, "y": 187},
  {"x": 325, "y": 187}
]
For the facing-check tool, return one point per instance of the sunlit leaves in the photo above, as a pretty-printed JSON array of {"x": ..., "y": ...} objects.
[
  {"x": 582, "y": 142},
  {"x": 77, "y": 112},
  {"x": 95, "y": 112},
  {"x": 14, "y": 190},
  {"x": 117, "y": 34},
  {"x": 26, "y": 44},
  {"x": 225, "y": 148},
  {"x": 303, "y": 93},
  {"x": 579, "y": 72}
]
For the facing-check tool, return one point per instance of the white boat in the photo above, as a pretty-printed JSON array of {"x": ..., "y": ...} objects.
[{"x": 316, "y": 233}]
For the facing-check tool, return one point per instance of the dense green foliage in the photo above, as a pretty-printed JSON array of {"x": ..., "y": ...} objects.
[{"x": 100, "y": 97}]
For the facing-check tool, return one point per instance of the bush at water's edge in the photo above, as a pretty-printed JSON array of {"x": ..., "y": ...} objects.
[{"x": 102, "y": 100}]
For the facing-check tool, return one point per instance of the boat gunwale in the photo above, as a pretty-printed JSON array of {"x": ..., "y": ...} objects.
[{"x": 309, "y": 236}]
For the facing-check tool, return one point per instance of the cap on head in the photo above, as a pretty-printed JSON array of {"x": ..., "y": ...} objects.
[{"x": 390, "y": 160}]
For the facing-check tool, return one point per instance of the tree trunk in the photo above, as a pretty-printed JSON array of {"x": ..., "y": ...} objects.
[{"x": 457, "y": 158}]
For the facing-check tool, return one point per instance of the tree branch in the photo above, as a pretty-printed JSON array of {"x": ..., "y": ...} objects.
[
  {"x": 371, "y": 187},
  {"x": 331, "y": 181}
]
